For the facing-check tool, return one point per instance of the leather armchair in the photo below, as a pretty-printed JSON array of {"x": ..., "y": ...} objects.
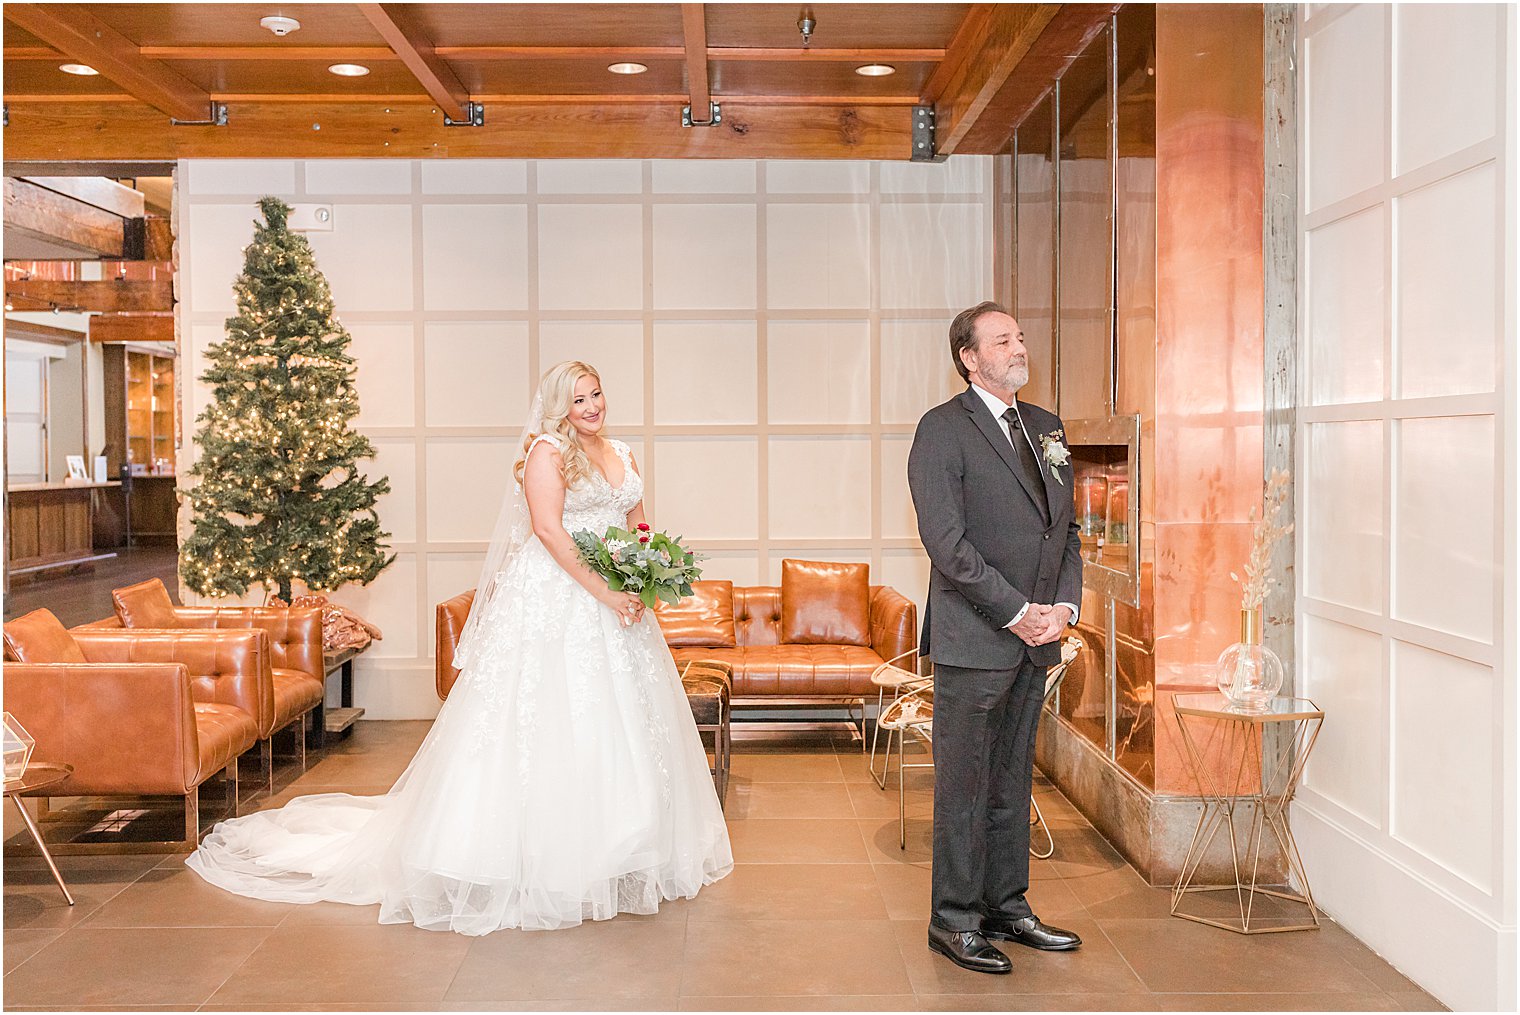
[
  {"x": 297, "y": 673},
  {"x": 135, "y": 716}
]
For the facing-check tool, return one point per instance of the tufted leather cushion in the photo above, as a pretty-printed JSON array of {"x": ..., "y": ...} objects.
[
  {"x": 146, "y": 604},
  {"x": 825, "y": 603},
  {"x": 799, "y": 671},
  {"x": 709, "y": 686},
  {"x": 295, "y": 693},
  {"x": 704, "y": 618},
  {"x": 39, "y": 637},
  {"x": 224, "y": 731}
]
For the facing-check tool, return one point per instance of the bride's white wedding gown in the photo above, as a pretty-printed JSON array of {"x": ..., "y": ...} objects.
[{"x": 563, "y": 780}]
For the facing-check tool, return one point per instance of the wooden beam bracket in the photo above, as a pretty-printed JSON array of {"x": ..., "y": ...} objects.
[
  {"x": 218, "y": 118},
  {"x": 921, "y": 139},
  {"x": 714, "y": 116},
  {"x": 475, "y": 116}
]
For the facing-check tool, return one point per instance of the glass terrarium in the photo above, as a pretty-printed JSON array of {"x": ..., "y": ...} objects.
[{"x": 18, "y": 749}]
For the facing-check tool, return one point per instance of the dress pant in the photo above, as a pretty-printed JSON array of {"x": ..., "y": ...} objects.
[{"x": 984, "y": 730}]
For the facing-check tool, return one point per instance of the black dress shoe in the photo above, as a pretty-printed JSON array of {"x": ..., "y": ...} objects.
[
  {"x": 1030, "y": 932},
  {"x": 969, "y": 950}
]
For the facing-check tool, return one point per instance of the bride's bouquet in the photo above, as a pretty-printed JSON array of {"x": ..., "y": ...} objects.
[{"x": 651, "y": 565}]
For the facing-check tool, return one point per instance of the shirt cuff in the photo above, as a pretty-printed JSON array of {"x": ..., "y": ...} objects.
[
  {"x": 1017, "y": 616},
  {"x": 1072, "y": 607}
]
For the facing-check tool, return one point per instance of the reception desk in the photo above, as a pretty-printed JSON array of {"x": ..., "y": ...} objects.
[{"x": 51, "y": 525}]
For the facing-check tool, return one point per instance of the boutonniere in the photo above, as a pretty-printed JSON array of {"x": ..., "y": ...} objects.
[{"x": 1056, "y": 453}]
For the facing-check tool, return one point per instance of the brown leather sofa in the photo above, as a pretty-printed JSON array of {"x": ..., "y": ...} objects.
[
  {"x": 295, "y": 645},
  {"x": 140, "y": 714},
  {"x": 813, "y": 640}
]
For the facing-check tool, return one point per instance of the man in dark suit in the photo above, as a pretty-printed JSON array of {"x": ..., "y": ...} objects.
[{"x": 992, "y": 489}]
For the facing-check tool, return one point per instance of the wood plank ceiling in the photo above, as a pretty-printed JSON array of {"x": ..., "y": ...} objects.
[{"x": 537, "y": 74}]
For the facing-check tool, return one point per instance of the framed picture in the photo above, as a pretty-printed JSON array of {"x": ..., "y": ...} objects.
[{"x": 76, "y": 468}]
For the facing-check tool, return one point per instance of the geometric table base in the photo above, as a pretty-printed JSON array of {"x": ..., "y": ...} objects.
[{"x": 1260, "y": 776}]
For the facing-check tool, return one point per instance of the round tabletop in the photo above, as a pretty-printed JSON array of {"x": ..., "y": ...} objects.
[{"x": 36, "y": 776}]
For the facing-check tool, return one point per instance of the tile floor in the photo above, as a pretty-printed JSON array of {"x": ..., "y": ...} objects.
[{"x": 823, "y": 911}]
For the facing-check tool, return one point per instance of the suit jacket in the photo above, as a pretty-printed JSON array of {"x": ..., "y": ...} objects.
[{"x": 995, "y": 541}]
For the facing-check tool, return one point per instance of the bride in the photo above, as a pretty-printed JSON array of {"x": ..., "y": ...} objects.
[{"x": 564, "y": 778}]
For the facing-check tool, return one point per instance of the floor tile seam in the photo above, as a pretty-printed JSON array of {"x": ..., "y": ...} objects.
[
  {"x": 39, "y": 951},
  {"x": 1145, "y": 985},
  {"x": 236, "y": 969}
]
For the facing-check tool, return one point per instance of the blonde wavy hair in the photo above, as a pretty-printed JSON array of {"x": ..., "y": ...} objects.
[{"x": 557, "y": 392}]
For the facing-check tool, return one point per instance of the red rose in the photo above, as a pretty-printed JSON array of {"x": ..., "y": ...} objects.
[
  {"x": 643, "y": 527},
  {"x": 643, "y": 539}
]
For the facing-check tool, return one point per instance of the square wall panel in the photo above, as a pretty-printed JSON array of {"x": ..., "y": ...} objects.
[
  {"x": 898, "y": 519},
  {"x": 1445, "y": 541},
  {"x": 819, "y": 371},
  {"x": 1446, "y": 722},
  {"x": 706, "y": 487},
  {"x": 590, "y": 257},
  {"x": 738, "y": 566},
  {"x": 820, "y": 488},
  {"x": 212, "y": 249},
  {"x": 396, "y": 459},
  {"x": 474, "y": 257},
  {"x": 1342, "y": 670},
  {"x": 386, "y": 365},
  {"x": 704, "y": 372},
  {"x": 241, "y": 176},
  {"x": 817, "y": 176},
  {"x": 449, "y": 574},
  {"x": 1447, "y": 72},
  {"x": 916, "y": 370},
  {"x": 1344, "y": 544},
  {"x": 1345, "y": 317},
  {"x": 334, "y": 177},
  {"x": 590, "y": 176},
  {"x": 1448, "y": 294},
  {"x": 367, "y": 257},
  {"x": 1346, "y": 105},
  {"x": 964, "y": 175},
  {"x": 390, "y": 603},
  {"x": 614, "y": 348},
  {"x": 704, "y": 257},
  {"x": 476, "y": 374},
  {"x": 474, "y": 176},
  {"x": 818, "y": 256},
  {"x": 907, "y": 571},
  {"x": 933, "y": 256},
  {"x": 465, "y": 483},
  {"x": 704, "y": 176}
]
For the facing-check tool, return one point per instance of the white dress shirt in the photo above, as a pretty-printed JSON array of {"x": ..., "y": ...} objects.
[{"x": 998, "y": 407}]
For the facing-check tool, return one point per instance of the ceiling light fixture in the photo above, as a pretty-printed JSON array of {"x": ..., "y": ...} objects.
[
  {"x": 627, "y": 68},
  {"x": 875, "y": 70},
  {"x": 806, "y": 23},
  {"x": 82, "y": 70},
  {"x": 349, "y": 70}
]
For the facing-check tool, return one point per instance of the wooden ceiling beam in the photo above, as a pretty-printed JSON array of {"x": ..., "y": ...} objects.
[
  {"x": 74, "y": 30},
  {"x": 384, "y": 54},
  {"x": 593, "y": 129},
  {"x": 131, "y": 327},
  {"x": 95, "y": 296},
  {"x": 991, "y": 42},
  {"x": 398, "y": 27},
  {"x": 694, "y": 29},
  {"x": 36, "y": 213}
]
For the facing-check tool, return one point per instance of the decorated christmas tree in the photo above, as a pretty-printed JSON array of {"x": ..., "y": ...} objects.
[{"x": 280, "y": 497}]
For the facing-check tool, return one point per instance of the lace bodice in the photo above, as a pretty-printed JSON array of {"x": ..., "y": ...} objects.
[{"x": 595, "y": 504}]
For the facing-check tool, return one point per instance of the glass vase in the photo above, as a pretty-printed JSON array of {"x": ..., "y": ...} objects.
[{"x": 1248, "y": 673}]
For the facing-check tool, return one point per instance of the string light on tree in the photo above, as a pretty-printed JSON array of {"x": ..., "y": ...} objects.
[{"x": 279, "y": 497}]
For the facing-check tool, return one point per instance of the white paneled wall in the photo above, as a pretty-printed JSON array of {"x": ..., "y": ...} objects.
[
  {"x": 1407, "y": 556},
  {"x": 768, "y": 335}
]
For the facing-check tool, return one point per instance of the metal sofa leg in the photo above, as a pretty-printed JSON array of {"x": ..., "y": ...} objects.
[
  {"x": 231, "y": 776},
  {"x": 193, "y": 816},
  {"x": 301, "y": 728},
  {"x": 266, "y": 755}
]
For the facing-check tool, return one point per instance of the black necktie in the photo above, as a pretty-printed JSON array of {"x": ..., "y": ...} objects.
[{"x": 1021, "y": 445}]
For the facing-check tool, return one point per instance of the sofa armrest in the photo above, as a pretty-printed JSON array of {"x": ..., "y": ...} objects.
[
  {"x": 230, "y": 667},
  {"x": 893, "y": 622},
  {"x": 451, "y": 617},
  {"x": 127, "y": 728},
  {"x": 295, "y": 633}
]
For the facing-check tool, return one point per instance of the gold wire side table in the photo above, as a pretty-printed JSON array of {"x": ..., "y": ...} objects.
[{"x": 1259, "y": 772}]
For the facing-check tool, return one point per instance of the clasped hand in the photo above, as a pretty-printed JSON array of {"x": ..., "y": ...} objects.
[
  {"x": 1041, "y": 625},
  {"x": 628, "y": 607}
]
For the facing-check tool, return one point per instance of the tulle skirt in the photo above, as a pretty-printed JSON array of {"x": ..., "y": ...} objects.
[{"x": 563, "y": 780}]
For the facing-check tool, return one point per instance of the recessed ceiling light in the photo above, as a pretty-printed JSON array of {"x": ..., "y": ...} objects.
[
  {"x": 627, "y": 68},
  {"x": 875, "y": 70},
  {"x": 78, "y": 68},
  {"x": 349, "y": 70}
]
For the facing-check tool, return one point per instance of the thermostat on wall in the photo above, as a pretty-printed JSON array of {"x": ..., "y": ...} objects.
[{"x": 311, "y": 218}]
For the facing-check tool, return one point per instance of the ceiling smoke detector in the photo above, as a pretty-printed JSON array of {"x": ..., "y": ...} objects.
[{"x": 280, "y": 26}]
